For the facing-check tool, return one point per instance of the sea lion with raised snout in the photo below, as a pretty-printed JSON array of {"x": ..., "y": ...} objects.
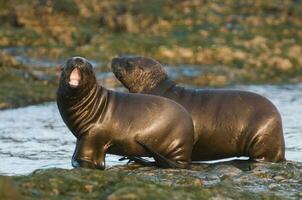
[
  {"x": 227, "y": 123},
  {"x": 104, "y": 121}
]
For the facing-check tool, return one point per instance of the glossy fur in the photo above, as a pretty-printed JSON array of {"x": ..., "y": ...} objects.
[
  {"x": 105, "y": 121},
  {"x": 227, "y": 123}
]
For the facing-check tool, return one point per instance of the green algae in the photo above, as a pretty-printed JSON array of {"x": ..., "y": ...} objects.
[
  {"x": 87, "y": 184},
  {"x": 258, "y": 42},
  {"x": 201, "y": 181},
  {"x": 231, "y": 41},
  {"x": 19, "y": 88}
]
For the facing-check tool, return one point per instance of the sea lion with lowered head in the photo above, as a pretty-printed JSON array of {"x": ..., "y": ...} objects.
[
  {"x": 104, "y": 121},
  {"x": 227, "y": 123}
]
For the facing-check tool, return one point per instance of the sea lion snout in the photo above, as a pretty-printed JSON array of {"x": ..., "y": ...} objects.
[
  {"x": 117, "y": 66},
  {"x": 115, "y": 62},
  {"x": 75, "y": 70},
  {"x": 77, "y": 78},
  {"x": 138, "y": 73}
]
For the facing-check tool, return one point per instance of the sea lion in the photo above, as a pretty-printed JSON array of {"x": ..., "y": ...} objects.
[
  {"x": 105, "y": 121},
  {"x": 227, "y": 123}
]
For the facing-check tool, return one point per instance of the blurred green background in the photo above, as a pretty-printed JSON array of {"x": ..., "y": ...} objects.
[{"x": 230, "y": 41}]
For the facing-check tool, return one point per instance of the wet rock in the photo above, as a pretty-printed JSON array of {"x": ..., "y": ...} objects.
[{"x": 227, "y": 180}]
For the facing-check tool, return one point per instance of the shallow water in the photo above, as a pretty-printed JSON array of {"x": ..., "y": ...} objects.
[{"x": 35, "y": 137}]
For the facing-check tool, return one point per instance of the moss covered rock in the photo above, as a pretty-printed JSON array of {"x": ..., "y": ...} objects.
[
  {"x": 229, "y": 180},
  {"x": 21, "y": 85},
  {"x": 261, "y": 37}
]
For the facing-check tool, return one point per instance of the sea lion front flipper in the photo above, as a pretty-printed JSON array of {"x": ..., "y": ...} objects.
[
  {"x": 139, "y": 160},
  {"x": 85, "y": 163},
  {"x": 160, "y": 160}
]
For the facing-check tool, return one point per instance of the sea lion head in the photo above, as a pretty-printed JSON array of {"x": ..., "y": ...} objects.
[
  {"x": 138, "y": 73},
  {"x": 77, "y": 77}
]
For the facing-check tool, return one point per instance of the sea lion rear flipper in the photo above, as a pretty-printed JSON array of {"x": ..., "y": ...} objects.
[
  {"x": 160, "y": 160},
  {"x": 139, "y": 160}
]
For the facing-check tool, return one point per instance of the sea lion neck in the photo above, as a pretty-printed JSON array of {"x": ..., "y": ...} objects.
[
  {"x": 79, "y": 114},
  {"x": 162, "y": 87},
  {"x": 86, "y": 98}
]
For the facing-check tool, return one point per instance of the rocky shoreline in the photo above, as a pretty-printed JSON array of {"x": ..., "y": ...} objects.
[{"x": 226, "y": 180}]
